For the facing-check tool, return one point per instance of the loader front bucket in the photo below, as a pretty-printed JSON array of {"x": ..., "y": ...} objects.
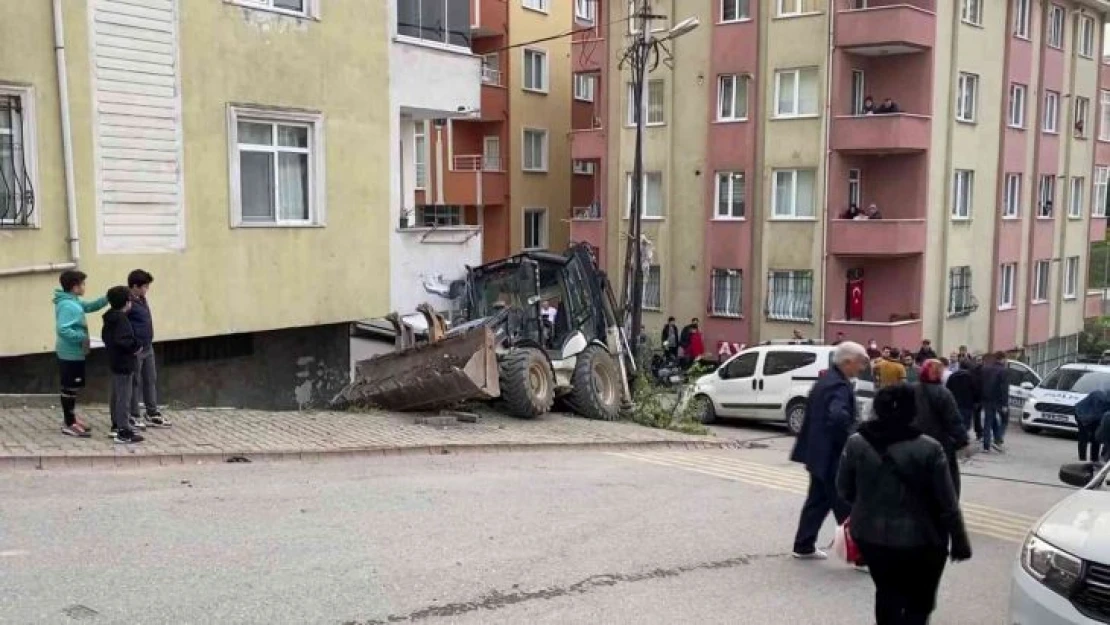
[{"x": 433, "y": 375}]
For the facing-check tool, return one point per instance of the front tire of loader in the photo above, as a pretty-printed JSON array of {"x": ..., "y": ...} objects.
[
  {"x": 596, "y": 386},
  {"x": 527, "y": 383}
]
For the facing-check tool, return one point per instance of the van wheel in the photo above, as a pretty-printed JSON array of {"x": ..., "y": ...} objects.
[
  {"x": 702, "y": 409},
  {"x": 795, "y": 416}
]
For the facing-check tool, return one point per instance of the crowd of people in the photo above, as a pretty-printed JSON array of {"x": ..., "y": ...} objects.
[{"x": 128, "y": 336}]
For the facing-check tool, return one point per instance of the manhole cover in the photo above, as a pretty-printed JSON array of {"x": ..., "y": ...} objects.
[{"x": 80, "y": 612}]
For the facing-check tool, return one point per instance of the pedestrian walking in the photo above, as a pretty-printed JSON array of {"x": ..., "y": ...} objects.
[
  {"x": 938, "y": 416},
  {"x": 1089, "y": 413},
  {"x": 670, "y": 339},
  {"x": 905, "y": 514},
  {"x": 889, "y": 370},
  {"x": 123, "y": 349},
  {"x": 830, "y": 416},
  {"x": 963, "y": 389},
  {"x": 146, "y": 373},
  {"x": 994, "y": 397},
  {"x": 72, "y": 345}
]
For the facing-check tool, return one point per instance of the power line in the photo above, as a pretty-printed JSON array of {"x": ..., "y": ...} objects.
[{"x": 569, "y": 33}]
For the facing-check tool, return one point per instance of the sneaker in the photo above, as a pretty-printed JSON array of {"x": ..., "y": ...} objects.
[
  {"x": 156, "y": 420},
  {"x": 137, "y": 423},
  {"x": 112, "y": 432},
  {"x": 816, "y": 554},
  {"x": 999, "y": 447},
  {"x": 128, "y": 437},
  {"x": 75, "y": 430}
]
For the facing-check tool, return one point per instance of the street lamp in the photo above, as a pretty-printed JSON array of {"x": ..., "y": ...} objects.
[{"x": 645, "y": 49}]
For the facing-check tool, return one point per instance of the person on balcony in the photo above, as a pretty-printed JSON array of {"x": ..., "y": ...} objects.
[
  {"x": 872, "y": 212},
  {"x": 888, "y": 107},
  {"x": 853, "y": 212},
  {"x": 868, "y": 107}
]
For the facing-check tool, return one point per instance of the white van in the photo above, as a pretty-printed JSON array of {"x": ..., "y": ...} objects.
[
  {"x": 769, "y": 382},
  {"x": 1051, "y": 405}
]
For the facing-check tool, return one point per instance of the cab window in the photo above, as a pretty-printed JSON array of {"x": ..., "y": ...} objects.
[
  {"x": 778, "y": 363},
  {"x": 1077, "y": 381},
  {"x": 743, "y": 366}
]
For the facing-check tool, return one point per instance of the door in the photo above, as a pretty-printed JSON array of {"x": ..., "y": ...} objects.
[
  {"x": 859, "y": 92},
  {"x": 737, "y": 390},
  {"x": 782, "y": 370},
  {"x": 1018, "y": 374},
  {"x": 491, "y": 153}
]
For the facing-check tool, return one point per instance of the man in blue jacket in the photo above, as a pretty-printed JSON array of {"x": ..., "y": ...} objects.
[
  {"x": 146, "y": 375},
  {"x": 830, "y": 418},
  {"x": 72, "y": 345}
]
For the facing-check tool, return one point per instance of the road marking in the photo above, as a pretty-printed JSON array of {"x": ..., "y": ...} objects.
[{"x": 984, "y": 520}]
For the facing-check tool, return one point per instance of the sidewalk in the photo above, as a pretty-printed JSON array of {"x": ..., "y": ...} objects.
[{"x": 31, "y": 437}]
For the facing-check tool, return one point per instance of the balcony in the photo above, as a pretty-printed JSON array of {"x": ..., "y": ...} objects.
[
  {"x": 488, "y": 18},
  {"x": 494, "y": 98},
  {"x": 898, "y": 133},
  {"x": 897, "y": 333},
  {"x": 876, "y": 237},
  {"x": 587, "y": 145},
  {"x": 886, "y": 30},
  {"x": 476, "y": 180},
  {"x": 1092, "y": 305},
  {"x": 587, "y": 55}
]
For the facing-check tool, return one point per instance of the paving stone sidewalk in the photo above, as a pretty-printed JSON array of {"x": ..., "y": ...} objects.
[{"x": 31, "y": 437}]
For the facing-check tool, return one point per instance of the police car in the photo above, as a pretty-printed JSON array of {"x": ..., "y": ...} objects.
[{"x": 1051, "y": 404}]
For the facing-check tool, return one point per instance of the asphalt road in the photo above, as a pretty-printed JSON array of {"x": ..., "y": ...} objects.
[{"x": 636, "y": 537}]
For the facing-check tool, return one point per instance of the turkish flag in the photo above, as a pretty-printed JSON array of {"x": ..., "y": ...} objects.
[{"x": 855, "y": 300}]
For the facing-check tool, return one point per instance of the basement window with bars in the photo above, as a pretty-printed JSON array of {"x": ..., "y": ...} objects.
[
  {"x": 653, "y": 288},
  {"x": 725, "y": 287},
  {"x": 790, "y": 295},
  {"x": 961, "y": 301},
  {"x": 17, "y": 189}
]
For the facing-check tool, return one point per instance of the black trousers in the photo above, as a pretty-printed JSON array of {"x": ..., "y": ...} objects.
[
  {"x": 821, "y": 499},
  {"x": 1087, "y": 441},
  {"x": 906, "y": 582}
]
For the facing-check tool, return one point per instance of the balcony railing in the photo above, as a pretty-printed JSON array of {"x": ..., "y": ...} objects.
[
  {"x": 476, "y": 162},
  {"x": 491, "y": 76},
  {"x": 876, "y": 237},
  {"x": 588, "y": 213},
  {"x": 886, "y": 30},
  {"x": 897, "y": 333},
  {"x": 895, "y": 133}
]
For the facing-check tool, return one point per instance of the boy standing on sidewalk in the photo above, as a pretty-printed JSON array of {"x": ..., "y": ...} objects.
[
  {"x": 146, "y": 375},
  {"x": 72, "y": 344},
  {"x": 122, "y": 347}
]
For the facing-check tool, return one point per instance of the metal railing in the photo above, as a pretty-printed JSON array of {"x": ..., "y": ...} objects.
[
  {"x": 17, "y": 195},
  {"x": 588, "y": 213},
  {"x": 476, "y": 162},
  {"x": 491, "y": 76}
]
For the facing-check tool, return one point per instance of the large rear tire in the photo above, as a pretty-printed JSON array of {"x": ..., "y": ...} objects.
[
  {"x": 527, "y": 383},
  {"x": 596, "y": 385}
]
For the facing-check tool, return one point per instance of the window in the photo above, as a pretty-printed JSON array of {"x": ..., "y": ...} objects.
[
  {"x": 786, "y": 8},
  {"x": 1102, "y": 182},
  {"x": 1086, "y": 37},
  {"x": 585, "y": 11},
  {"x": 536, "y": 5},
  {"x": 855, "y": 191},
  {"x": 732, "y": 97},
  {"x": 1021, "y": 18},
  {"x": 743, "y": 366},
  {"x": 653, "y": 195},
  {"x": 583, "y": 168},
  {"x": 1046, "y": 196},
  {"x": 967, "y": 97},
  {"x": 778, "y": 363},
  {"x": 1017, "y": 106},
  {"x": 724, "y": 287},
  {"x": 790, "y": 295},
  {"x": 420, "y": 154},
  {"x": 1006, "y": 276},
  {"x": 296, "y": 7},
  {"x": 1051, "y": 122},
  {"x": 1055, "y": 33},
  {"x": 535, "y": 228},
  {"x": 17, "y": 158},
  {"x": 1075, "y": 198},
  {"x": 735, "y": 10},
  {"x": 653, "y": 288},
  {"x": 796, "y": 92},
  {"x": 491, "y": 69},
  {"x": 1040, "y": 281},
  {"x": 792, "y": 195},
  {"x": 1082, "y": 108},
  {"x": 1011, "y": 203},
  {"x": 584, "y": 87},
  {"x": 435, "y": 215},
  {"x": 963, "y": 193},
  {"x": 535, "y": 70},
  {"x": 960, "y": 299},
  {"x": 653, "y": 103},
  {"x": 1071, "y": 277},
  {"x": 277, "y": 168},
  {"x": 436, "y": 21},
  {"x": 535, "y": 150},
  {"x": 730, "y": 195},
  {"x": 1104, "y": 115},
  {"x": 972, "y": 12},
  {"x": 859, "y": 91}
]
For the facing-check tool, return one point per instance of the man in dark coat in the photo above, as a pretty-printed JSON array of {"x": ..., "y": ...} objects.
[
  {"x": 830, "y": 419},
  {"x": 995, "y": 397}
]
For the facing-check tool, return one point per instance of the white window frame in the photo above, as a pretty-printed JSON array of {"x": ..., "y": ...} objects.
[
  {"x": 1104, "y": 115},
  {"x": 737, "y": 109},
  {"x": 781, "y": 8},
  {"x": 1071, "y": 277},
  {"x": 26, "y": 95},
  {"x": 797, "y": 72},
  {"x": 963, "y": 194},
  {"x": 859, "y": 91},
  {"x": 539, "y": 6},
  {"x": 967, "y": 97},
  {"x": 732, "y": 196},
  {"x": 1007, "y": 279},
  {"x": 1054, "y": 27},
  {"x": 1021, "y": 18},
  {"x": 1081, "y": 125},
  {"x": 1086, "y": 43},
  {"x": 1041, "y": 278},
  {"x": 792, "y": 276},
  {"x": 1011, "y": 202},
  {"x": 793, "y": 214},
  {"x": 1046, "y": 193},
  {"x": 741, "y": 16},
  {"x": 585, "y": 85},
  {"x": 972, "y": 12},
  {"x": 543, "y": 239},
  {"x": 1101, "y": 191},
  {"x": 961, "y": 282},
  {"x": 654, "y": 273},
  {"x": 1017, "y": 105},
  {"x": 1075, "y": 198},
  {"x": 311, "y": 7},
  {"x": 733, "y": 294},
  {"x": 651, "y": 84},
  {"x": 1051, "y": 120},
  {"x": 546, "y": 135},
  {"x": 314, "y": 122},
  {"x": 644, "y": 206},
  {"x": 545, "y": 77},
  {"x": 585, "y": 11},
  {"x": 855, "y": 187},
  {"x": 420, "y": 154}
]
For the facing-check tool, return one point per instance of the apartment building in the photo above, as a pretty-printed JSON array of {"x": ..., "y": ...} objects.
[
  {"x": 229, "y": 147},
  {"x": 990, "y": 177}
]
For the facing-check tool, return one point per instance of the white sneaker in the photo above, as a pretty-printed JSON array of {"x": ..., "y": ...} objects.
[{"x": 816, "y": 554}]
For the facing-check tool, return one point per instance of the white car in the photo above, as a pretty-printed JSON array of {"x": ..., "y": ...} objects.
[
  {"x": 1051, "y": 405},
  {"x": 1022, "y": 381},
  {"x": 1062, "y": 576},
  {"x": 769, "y": 382}
]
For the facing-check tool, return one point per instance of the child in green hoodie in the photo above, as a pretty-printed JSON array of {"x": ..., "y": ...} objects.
[{"x": 72, "y": 345}]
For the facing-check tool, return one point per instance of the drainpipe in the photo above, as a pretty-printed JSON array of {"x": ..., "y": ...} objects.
[
  {"x": 67, "y": 152},
  {"x": 829, "y": 70},
  {"x": 439, "y": 163},
  {"x": 1065, "y": 217},
  {"x": 946, "y": 218}
]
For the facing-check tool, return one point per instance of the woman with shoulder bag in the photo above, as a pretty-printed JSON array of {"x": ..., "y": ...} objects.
[
  {"x": 905, "y": 516},
  {"x": 938, "y": 416}
]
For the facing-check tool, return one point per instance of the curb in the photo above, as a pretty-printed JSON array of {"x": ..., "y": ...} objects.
[{"x": 138, "y": 460}]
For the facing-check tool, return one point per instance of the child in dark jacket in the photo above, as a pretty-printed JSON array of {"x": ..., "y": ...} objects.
[{"x": 122, "y": 347}]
